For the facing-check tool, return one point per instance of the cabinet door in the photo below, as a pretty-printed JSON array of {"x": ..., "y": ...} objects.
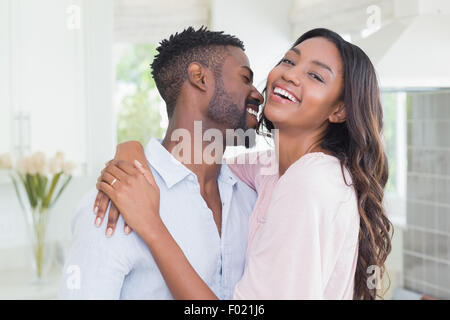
[
  {"x": 5, "y": 89},
  {"x": 48, "y": 77}
]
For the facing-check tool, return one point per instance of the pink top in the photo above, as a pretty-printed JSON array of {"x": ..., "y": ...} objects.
[{"x": 303, "y": 233}]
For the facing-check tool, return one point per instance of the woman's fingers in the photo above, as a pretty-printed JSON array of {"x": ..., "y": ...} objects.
[
  {"x": 147, "y": 173},
  {"x": 127, "y": 229},
  {"x": 115, "y": 172},
  {"x": 113, "y": 216},
  {"x": 101, "y": 205},
  {"x": 126, "y": 167},
  {"x": 106, "y": 189}
]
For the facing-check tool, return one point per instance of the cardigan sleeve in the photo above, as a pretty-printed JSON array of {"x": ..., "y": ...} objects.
[{"x": 250, "y": 167}]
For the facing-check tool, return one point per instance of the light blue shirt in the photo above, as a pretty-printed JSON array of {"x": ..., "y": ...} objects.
[{"x": 122, "y": 266}]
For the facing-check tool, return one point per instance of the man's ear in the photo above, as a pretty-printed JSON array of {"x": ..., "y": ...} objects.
[
  {"x": 338, "y": 115},
  {"x": 197, "y": 76}
]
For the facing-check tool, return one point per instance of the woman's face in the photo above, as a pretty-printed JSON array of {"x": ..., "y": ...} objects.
[{"x": 304, "y": 90}]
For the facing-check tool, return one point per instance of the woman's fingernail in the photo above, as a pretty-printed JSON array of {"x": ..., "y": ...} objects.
[
  {"x": 109, "y": 232},
  {"x": 127, "y": 229},
  {"x": 96, "y": 209},
  {"x": 138, "y": 163},
  {"x": 98, "y": 221}
]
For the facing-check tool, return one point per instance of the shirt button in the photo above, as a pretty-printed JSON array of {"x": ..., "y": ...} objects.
[{"x": 191, "y": 178}]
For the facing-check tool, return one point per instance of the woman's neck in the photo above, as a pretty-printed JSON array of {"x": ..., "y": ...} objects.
[{"x": 292, "y": 147}]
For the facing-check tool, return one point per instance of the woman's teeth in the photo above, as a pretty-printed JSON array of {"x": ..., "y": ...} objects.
[
  {"x": 252, "y": 112},
  {"x": 284, "y": 94}
]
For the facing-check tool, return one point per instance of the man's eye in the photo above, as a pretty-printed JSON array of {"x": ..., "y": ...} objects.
[
  {"x": 247, "y": 79},
  {"x": 285, "y": 60}
]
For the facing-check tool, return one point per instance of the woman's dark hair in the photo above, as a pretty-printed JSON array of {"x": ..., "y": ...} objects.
[{"x": 357, "y": 143}]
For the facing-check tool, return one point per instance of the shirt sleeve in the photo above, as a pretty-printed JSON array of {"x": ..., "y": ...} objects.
[
  {"x": 249, "y": 167},
  {"x": 294, "y": 254},
  {"x": 95, "y": 266}
]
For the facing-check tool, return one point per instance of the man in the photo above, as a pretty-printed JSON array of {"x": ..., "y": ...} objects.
[{"x": 204, "y": 77}]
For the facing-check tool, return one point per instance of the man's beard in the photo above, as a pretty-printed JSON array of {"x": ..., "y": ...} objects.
[{"x": 223, "y": 110}]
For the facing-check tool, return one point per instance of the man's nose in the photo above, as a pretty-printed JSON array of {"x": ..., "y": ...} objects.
[{"x": 257, "y": 96}]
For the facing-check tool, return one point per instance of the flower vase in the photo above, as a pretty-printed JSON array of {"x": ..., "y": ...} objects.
[{"x": 41, "y": 254}]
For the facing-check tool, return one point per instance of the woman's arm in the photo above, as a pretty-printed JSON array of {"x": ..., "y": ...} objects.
[
  {"x": 183, "y": 281},
  {"x": 249, "y": 167},
  {"x": 136, "y": 195},
  {"x": 126, "y": 151}
]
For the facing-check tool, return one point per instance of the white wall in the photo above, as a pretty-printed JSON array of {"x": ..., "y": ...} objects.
[{"x": 262, "y": 25}]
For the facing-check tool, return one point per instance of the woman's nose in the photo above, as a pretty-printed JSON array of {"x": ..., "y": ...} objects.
[{"x": 292, "y": 76}]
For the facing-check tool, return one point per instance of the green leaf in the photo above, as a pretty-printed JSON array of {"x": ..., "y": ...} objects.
[
  {"x": 61, "y": 190},
  {"x": 32, "y": 190},
  {"x": 48, "y": 198},
  {"x": 17, "y": 191}
]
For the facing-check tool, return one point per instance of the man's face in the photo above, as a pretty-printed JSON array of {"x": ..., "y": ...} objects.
[{"x": 236, "y": 101}]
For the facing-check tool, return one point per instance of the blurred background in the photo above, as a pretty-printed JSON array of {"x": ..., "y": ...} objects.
[{"x": 75, "y": 78}]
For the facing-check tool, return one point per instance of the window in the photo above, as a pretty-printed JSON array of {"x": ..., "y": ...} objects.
[
  {"x": 140, "y": 111},
  {"x": 394, "y": 135}
]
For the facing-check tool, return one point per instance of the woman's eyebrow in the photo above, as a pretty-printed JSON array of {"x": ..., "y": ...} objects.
[
  {"x": 316, "y": 62},
  {"x": 323, "y": 65}
]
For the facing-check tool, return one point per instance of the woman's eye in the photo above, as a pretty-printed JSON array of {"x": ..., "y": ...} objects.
[
  {"x": 247, "y": 79},
  {"x": 317, "y": 77},
  {"x": 287, "y": 61}
]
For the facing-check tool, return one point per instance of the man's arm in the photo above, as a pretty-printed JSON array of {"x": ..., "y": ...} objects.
[{"x": 96, "y": 265}]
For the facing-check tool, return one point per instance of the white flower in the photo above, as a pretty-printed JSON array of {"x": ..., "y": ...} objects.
[
  {"x": 68, "y": 167},
  {"x": 22, "y": 165},
  {"x": 38, "y": 163},
  {"x": 5, "y": 161},
  {"x": 56, "y": 163}
]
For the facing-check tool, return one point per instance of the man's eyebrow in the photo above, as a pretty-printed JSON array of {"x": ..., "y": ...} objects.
[
  {"x": 323, "y": 65},
  {"x": 249, "y": 70},
  {"x": 295, "y": 50}
]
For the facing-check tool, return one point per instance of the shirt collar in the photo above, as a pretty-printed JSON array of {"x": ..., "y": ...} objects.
[
  {"x": 226, "y": 175},
  {"x": 170, "y": 169},
  {"x": 173, "y": 171}
]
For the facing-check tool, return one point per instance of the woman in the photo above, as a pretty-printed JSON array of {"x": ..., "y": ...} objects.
[{"x": 319, "y": 226}]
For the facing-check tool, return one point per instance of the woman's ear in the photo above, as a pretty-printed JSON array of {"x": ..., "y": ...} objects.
[
  {"x": 338, "y": 115},
  {"x": 197, "y": 75}
]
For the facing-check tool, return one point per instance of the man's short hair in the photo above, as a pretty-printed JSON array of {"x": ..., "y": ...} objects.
[{"x": 169, "y": 68}]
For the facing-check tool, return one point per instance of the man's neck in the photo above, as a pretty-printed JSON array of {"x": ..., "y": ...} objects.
[{"x": 192, "y": 151}]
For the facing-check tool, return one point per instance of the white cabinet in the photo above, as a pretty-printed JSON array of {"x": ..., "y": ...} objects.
[
  {"x": 42, "y": 78},
  {"x": 56, "y": 87}
]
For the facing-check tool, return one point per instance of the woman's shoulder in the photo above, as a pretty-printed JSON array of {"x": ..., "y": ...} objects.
[
  {"x": 315, "y": 183},
  {"x": 319, "y": 175}
]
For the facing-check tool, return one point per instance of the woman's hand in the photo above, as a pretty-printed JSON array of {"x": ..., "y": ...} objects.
[
  {"x": 127, "y": 151},
  {"x": 135, "y": 193}
]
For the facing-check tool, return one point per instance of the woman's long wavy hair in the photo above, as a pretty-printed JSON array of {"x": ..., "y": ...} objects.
[{"x": 357, "y": 143}]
